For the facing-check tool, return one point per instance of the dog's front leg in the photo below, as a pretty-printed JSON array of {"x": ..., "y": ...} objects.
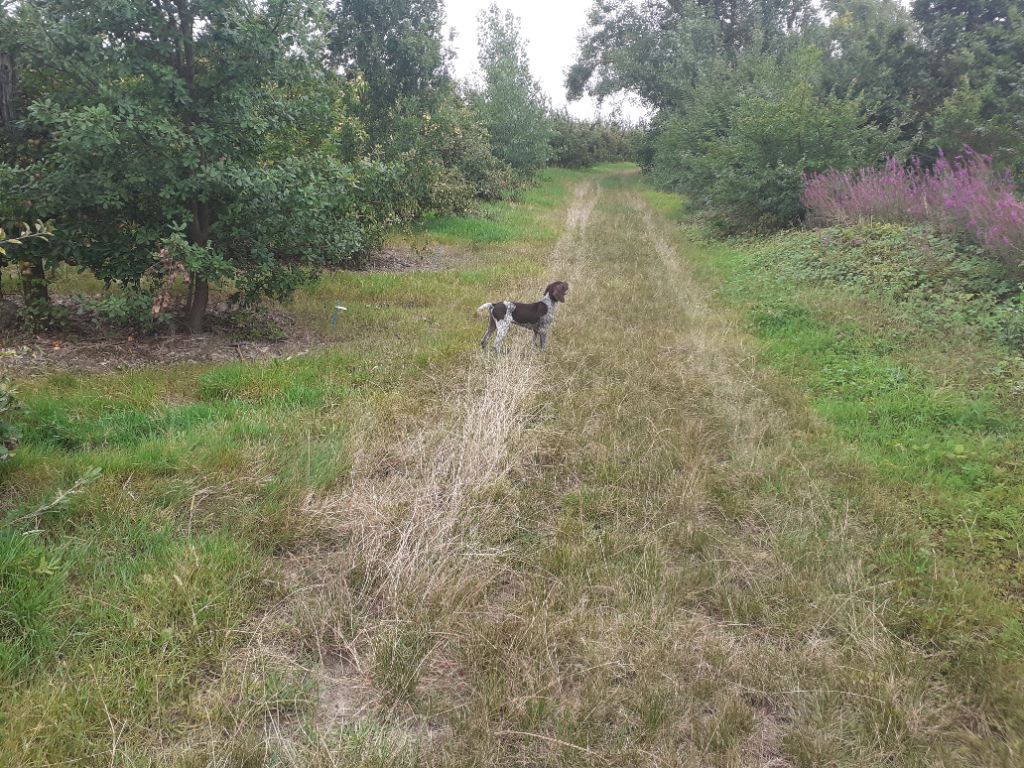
[
  {"x": 491, "y": 328},
  {"x": 500, "y": 337}
]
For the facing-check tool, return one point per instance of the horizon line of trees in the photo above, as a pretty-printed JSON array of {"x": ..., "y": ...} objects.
[{"x": 249, "y": 145}]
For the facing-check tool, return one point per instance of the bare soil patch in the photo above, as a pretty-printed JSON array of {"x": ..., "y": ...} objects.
[
  {"x": 405, "y": 258},
  {"x": 81, "y": 343},
  {"x": 78, "y": 349}
]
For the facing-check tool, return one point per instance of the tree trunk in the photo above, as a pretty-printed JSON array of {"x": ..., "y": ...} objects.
[
  {"x": 199, "y": 234},
  {"x": 199, "y": 227},
  {"x": 7, "y": 85},
  {"x": 33, "y": 284},
  {"x": 197, "y": 309}
]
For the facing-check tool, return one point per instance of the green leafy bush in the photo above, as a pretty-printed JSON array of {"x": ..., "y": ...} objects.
[
  {"x": 129, "y": 309},
  {"x": 442, "y": 159},
  {"x": 583, "y": 143},
  {"x": 247, "y": 146},
  {"x": 743, "y": 147}
]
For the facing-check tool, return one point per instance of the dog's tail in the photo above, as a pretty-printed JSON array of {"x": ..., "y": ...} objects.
[{"x": 484, "y": 309}]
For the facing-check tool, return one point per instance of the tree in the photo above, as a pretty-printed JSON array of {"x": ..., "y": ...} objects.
[
  {"x": 654, "y": 49},
  {"x": 976, "y": 48},
  {"x": 415, "y": 118},
  {"x": 660, "y": 49},
  {"x": 751, "y": 134},
  {"x": 395, "y": 46},
  {"x": 734, "y": 129},
  {"x": 7, "y": 74},
  {"x": 30, "y": 267},
  {"x": 511, "y": 102},
  {"x": 876, "y": 54},
  {"x": 210, "y": 124},
  {"x": 7, "y": 84}
]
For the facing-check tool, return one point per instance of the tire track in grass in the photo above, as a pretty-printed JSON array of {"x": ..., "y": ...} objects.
[
  {"x": 681, "y": 592},
  {"x": 824, "y": 672},
  {"x": 418, "y": 529}
]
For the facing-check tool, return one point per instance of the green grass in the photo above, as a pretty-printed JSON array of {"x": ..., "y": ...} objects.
[
  {"x": 508, "y": 222},
  {"x": 684, "y": 535},
  {"x": 120, "y": 598},
  {"x": 915, "y": 390}
]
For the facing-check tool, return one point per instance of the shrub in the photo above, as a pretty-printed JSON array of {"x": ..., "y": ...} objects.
[
  {"x": 742, "y": 147},
  {"x": 442, "y": 158},
  {"x": 583, "y": 143},
  {"x": 129, "y": 309},
  {"x": 248, "y": 143},
  {"x": 964, "y": 195}
]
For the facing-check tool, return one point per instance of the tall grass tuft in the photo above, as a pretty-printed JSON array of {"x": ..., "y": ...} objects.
[
  {"x": 962, "y": 195},
  {"x": 8, "y": 404}
]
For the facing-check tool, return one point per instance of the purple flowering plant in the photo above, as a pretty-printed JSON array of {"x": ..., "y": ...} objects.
[{"x": 962, "y": 195}]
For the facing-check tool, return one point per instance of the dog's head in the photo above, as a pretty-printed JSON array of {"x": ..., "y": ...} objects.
[{"x": 557, "y": 291}]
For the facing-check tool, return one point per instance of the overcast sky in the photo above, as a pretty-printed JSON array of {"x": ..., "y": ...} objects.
[{"x": 550, "y": 28}]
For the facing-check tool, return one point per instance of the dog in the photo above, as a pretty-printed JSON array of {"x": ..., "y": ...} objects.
[{"x": 538, "y": 316}]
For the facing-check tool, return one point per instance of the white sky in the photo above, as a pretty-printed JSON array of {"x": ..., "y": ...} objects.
[{"x": 550, "y": 28}]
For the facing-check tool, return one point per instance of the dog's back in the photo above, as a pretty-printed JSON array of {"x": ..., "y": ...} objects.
[{"x": 522, "y": 314}]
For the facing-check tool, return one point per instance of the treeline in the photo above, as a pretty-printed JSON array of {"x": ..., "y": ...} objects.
[
  {"x": 749, "y": 97},
  {"x": 248, "y": 145}
]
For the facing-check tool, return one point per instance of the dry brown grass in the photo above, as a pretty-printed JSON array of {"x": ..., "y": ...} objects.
[
  {"x": 411, "y": 543},
  {"x": 638, "y": 549}
]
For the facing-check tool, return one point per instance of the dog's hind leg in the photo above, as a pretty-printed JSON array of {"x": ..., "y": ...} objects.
[{"x": 503, "y": 327}]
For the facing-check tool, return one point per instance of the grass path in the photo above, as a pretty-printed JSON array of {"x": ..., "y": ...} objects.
[
  {"x": 627, "y": 552},
  {"x": 640, "y": 548}
]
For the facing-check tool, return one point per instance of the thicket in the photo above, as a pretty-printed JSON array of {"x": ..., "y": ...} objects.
[
  {"x": 751, "y": 96},
  {"x": 581, "y": 144},
  {"x": 742, "y": 151},
  {"x": 245, "y": 146}
]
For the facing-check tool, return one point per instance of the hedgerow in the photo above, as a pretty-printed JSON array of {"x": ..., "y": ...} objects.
[{"x": 245, "y": 147}]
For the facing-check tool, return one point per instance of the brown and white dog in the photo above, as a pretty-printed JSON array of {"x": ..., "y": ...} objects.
[{"x": 538, "y": 316}]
